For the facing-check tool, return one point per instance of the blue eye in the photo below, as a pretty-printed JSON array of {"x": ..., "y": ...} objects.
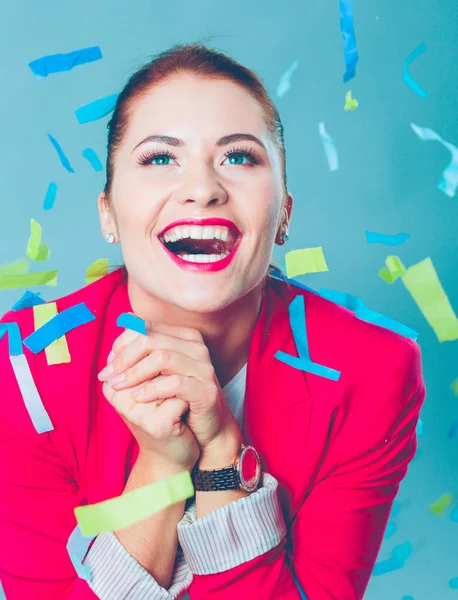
[{"x": 253, "y": 157}]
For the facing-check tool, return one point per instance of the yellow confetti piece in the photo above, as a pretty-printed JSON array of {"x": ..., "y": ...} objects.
[
  {"x": 17, "y": 267},
  {"x": 134, "y": 506},
  {"x": 97, "y": 270},
  {"x": 350, "y": 103},
  {"x": 57, "y": 352},
  {"x": 35, "y": 249},
  {"x": 422, "y": 282},
  {"x": 454, "y": 387},
  {"x": 13, "y": 282},
  {"x": 393, "y": 270},
  {"x": 440, "y": 506},
  {"x": 305, "y": 260}
]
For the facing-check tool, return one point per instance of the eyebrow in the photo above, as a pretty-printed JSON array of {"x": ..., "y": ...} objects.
[{"x": 224, "y": 141}]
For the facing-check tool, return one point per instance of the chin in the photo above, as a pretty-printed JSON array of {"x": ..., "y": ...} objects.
[{"x": 202, "y": 301}]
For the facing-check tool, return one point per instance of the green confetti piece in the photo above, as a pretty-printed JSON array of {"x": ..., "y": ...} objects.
[
  {"x": 97, "y": 270},
  {"x": 17, "y": 267},
  {"x": 393, "y": 270},
  {"x": 14, "y": 282},
  {"x": 305, "y": 260},
  {"x": 440, "y": 506},
  {"x": 350, "y": 103},
  {"x": 35, "y": 249},
  {"x": 454, "y": 387}
]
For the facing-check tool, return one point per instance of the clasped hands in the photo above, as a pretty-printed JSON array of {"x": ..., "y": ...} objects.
[{"x": 164, "y": 386}]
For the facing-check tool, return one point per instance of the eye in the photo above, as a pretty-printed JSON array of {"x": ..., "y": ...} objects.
[
  {"x": 253, "y": 157},
  {"x": 147, "y": 157}
]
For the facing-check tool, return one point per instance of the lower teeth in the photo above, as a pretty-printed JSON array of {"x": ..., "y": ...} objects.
[{"x": 201, "y": 258}]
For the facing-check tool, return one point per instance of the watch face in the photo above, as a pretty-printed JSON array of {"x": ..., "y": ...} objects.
[{"x": 250, "y": 468}]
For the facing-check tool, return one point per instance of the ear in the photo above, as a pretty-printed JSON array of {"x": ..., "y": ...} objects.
[
  {"x": 107, "y": 220},
  {"x": 285, "y": 218}
]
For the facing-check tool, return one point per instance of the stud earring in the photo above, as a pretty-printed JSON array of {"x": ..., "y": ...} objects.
[
  {"x": 284, "y": 237},
  {"x": 110, "y": 238}
]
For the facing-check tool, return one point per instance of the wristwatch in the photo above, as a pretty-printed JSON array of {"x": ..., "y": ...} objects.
[{"x": 243, "y": 474}]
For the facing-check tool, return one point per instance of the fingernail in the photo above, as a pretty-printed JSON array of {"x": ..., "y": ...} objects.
[
  {"x": 106, "y": 372},
  {"x": 117, "y": 379}
]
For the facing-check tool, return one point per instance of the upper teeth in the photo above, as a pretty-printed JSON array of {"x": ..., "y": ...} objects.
[{"x": 197, "y": 232}]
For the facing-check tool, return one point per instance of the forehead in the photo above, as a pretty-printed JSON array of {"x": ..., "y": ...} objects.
[{"x": 191, "y": 107}]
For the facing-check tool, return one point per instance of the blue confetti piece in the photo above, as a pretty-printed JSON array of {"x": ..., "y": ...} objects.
[
  {"x": 391, "y": 240},
  {"x": 329, "y": 148},
  {"x": 299, "y": 587},
  {"x": 407, "y": 598},
  {"x": 284, "y": 84},
  {"x": 390, "y": 530},
  {"x": 419, "y": 428},
  {"x": 386, "y": 566},
  {"x": 63, "y": 159},
  {"x": 454, "y": 515},
  {"x": 402, "y": 552},
  {"x": 357, "y": 306},
  {"x": 77, "y": 548},
  {"x": 349, "y": 39},
  {"x": 96, "y": 110},
  {"x": 453, "y": 429},
  {"x": 92, "y": 157},
  {"x": 14, "y": 337},
  {"x": 130, "y": 321},
  {"x": 56, "y": 63},
  {"x": 298, "y": 327},
  {"x": 395, "y": 509},
  {"x": 58, "y": 326},
  {"x": 50, "y": 196},
  {"x": 453, "y": 583},
  {"x": 28, "y": 299},
  {"x": 406, "y": 75}
]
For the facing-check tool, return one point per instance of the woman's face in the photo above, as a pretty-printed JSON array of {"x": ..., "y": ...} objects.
[{"x": 198, "y": 177}]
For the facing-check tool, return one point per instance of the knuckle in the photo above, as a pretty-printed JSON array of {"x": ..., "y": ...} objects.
[
  {"x": 202, "y": 352},
  {"x": 176, "y": 382},
  {"x": 163, "y": 356}
]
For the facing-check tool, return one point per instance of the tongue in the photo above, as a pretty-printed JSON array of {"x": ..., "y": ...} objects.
[{"x": 190, "y": 246}]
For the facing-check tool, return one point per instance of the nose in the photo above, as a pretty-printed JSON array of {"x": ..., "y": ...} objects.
[{"x": 201, "y": 186}]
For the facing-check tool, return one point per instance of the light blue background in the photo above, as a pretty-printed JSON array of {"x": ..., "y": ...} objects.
[{"x": 387, "y": 180}]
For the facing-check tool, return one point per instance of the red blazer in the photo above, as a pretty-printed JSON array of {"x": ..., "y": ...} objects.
[{"x": 339, "y": 449}]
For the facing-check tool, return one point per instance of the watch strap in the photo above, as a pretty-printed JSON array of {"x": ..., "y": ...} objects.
[{"x": 226, "y": 478}]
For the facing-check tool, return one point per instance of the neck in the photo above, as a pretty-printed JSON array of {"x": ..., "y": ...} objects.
[{"x": 226, "y": 333}]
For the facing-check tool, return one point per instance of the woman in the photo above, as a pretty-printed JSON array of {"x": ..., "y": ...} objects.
[{"x": 196, "y": 167}]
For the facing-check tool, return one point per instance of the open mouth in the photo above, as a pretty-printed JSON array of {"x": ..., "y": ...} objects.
[{"x": 200, "y": 244}]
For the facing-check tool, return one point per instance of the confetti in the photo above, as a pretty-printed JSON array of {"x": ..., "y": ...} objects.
[
  {"x": 92, "y": 157},
  {"x": 424, "y": 286},
  {"x": 17, "y": 267},
  {"x": 57, "y": 352},
  {"x": 349, "y": 40},
  {"x": 350, "y": 103},
  {"x": 454, "y": 386},
  {"x": 390, "y": 530},
  {"x": 393, "y": 270},
  {"x": 382, "y": 238},
  {"x": 305, "y": 260},
  {"x": 57, "y": 63},
  {"x": 97, "y": 270},
  {"x": 440, "y": 506},
  {"x": 454, "y": 515},
  {"x": 14, "y": 337},
  {"x": 285, "y": 80},
  {"x": 12, "y": 282},
  {"x": 28, "y": 299},
  {"x": 134, "y": 506},
  {"x": 453, "y": 583},
  {"x": 130, "y": 321},
  {"x": 449, "y": 181},
  {"x": 329, "y": 148},
  {"x": 77, "y": 548},
  {"x": 63, "y": 159},
  {"x": 35, "y": 249},
  {"x": 96, "y": 110},
  {"x": 50, "y": 197},
  {"x": 406, "y": 75},
  {"x": 62, "y": 323}
]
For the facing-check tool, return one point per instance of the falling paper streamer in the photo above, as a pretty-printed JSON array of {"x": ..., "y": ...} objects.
[
  {"x": 92, "y": 157},
  {"x": 349, "y": 39},
  {"x": 454, "y": 386},
  {"x": 299, "y": 329},
  {"x": 13, "y": 282},
  {"x": 285, "y": 80},
  {"x": 382, "y": 238},
  {"x": 453, "y": 429},
  {"x": 398, "y": 558},
  {"x": 449, "y": 181},
  {"x": 440, "y": 506},
  {"x": 132, "y": 322},
  {"x": 350, "y": 103},
  {"x": 305, "y": 260},
  {"x": 17, "y": 267},
  {"x": 393, "y": 270},
  {"x": 329, "y": 148},
  {"x": 453, "y": 583},
  {"x": 59, "y": 325},
  {"x": 419, "y": 429},
  {"x": 406, "y": 75},
  {"x": 50, "y": 197},
  {"x": 424, "y": 286},
  {"x": 96, "y": 110},
  {"x": 57, "y": 352},
  {"x": 390, "y": 530},
  {"x": 14, "y": 337},
  {"x": 299, "y": 587},
  {"x": 35, "y": 249},
  {"x": 77, "y": 548},
  {"x": 56, "y": 63},
  {"x": 63, "y": 159},
  {"x": 134, "y": 506},
  {"x": 28, "y": 299},
  {"x": 454, "y": 515},
  {"x": 97, "y": 270}
]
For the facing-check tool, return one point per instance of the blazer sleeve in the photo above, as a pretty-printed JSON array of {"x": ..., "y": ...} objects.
[
  {"x": 37, "y": 497},
  {"x": 338, "y": 531}
]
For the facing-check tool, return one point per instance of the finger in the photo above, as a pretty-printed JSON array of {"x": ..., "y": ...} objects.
[
  {"x": 166, "y": 387},
  {"x": 165, "y": 362}
]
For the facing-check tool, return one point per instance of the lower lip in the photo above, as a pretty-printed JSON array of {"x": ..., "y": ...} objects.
[{"x": 209, "y": 267}]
